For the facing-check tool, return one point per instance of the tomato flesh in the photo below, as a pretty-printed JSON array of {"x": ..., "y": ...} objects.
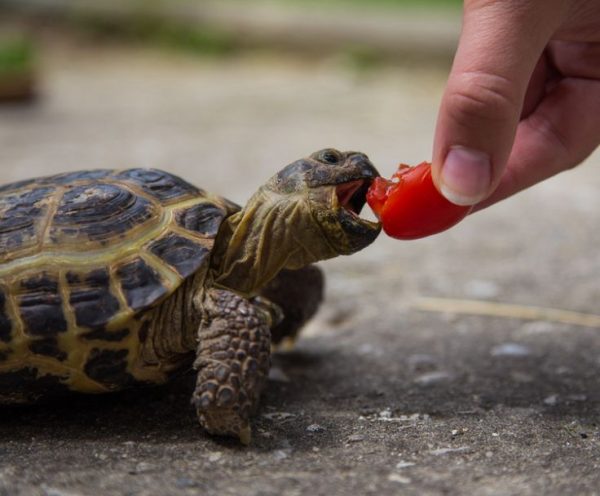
[{"x": 409, "y": 206}]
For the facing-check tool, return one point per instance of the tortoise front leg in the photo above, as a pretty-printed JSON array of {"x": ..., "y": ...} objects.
[{"x": 233, "y": 361}]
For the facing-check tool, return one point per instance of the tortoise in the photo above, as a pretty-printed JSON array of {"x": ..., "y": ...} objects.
[{"x": 111, "y": 279}]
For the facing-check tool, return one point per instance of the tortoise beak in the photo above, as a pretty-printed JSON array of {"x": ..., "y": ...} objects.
[
  {"x": 352, "y": 186},
  {"x": 349, "y": 198}
]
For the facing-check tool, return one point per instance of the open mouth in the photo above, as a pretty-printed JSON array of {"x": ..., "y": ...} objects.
[{"x": 352, "y": 196}]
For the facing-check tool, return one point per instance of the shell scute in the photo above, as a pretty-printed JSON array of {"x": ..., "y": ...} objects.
[
  {"x": 48, "y": 347},
  {"x": 179, "y": 252},
  {"x": 91, "y": 299},
  {"x": 204, "y": 218},
  {"x": 109, "y": 367},
  {"x": 141, "y": 284},
  {"x": 21, "y": 216},
  {"x": 99, "y": 212},
  {"x": 41, "y": 305},
  {"x": 70, "y": 177},
  {"x": 166, "y": 187}
]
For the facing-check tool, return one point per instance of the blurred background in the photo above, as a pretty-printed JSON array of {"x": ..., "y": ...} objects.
[{"x": 208, "y": 88}]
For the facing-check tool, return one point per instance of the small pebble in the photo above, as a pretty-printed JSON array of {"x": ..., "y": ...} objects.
[
  {"x": 280, "y": 455},
  {"x": 432, "y": 378},
  {"x": 315, "y": 428},
  {"x": 143, "y": 468},
  {"x": 51, "y": 491},
  {"x": 215, "y": 457},
  {"x": 447, "y": 451},
  {"x": 356, "y": 438},
  {"x": 386, "y": 414},
  {"x": 510, "y": 350},
  {"x": 185, "y": 483},
  {"x": 400, "y": 479},
  {"x": 551, "y": 400},
  {"x": 481, "y": 288},
  {"x": 402, "y": 464},
  {"x": 421, "y": 362}
]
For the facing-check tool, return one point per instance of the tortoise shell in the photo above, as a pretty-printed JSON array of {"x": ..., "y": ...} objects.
[{"x": 82, "y": 256}]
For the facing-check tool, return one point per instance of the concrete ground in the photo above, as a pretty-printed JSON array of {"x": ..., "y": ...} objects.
[{"x": 378, "y": 397}]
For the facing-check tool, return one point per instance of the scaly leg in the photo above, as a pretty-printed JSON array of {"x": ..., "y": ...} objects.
[{"x": 233, "y": 361}]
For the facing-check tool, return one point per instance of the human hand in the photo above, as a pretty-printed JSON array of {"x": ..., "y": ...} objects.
[{"x": 522, "y": 101}]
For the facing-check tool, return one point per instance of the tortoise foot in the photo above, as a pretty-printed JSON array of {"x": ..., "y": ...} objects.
[{"x": 233, "y": 362}]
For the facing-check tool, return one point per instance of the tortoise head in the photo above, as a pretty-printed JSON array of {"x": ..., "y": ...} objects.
[
  {"x": 329, "y": 187},
  {"x": 309, "y": 211}
]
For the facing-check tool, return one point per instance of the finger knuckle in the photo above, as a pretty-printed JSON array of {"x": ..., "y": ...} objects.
[{"x": 478, "y": 96}]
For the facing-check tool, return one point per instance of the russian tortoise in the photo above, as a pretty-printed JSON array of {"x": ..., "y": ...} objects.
[{"x": 115, "y": 278}]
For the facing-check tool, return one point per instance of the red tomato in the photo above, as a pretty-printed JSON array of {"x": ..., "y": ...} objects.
[{"x": 410, "y": 207}]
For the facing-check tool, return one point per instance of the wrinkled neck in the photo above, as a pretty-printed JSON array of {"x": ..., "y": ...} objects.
[{"x": 271, "y": 233}]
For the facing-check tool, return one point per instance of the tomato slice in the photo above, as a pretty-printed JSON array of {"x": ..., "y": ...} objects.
[{"x": 409, "y": 205}]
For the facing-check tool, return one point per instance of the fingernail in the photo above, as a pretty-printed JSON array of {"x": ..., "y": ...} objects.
[{"x": 466, "y": 176}]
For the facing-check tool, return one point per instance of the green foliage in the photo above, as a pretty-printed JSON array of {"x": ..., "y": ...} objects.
[
  {"x": 420, "y": 4},
  {"x": 145, "y": 22},
  {"x": 149, "y": 28},
  {"x": 200, "y": 40},
  {"x": 362, "y": 58},
  {"x": 16, "y": 55}
]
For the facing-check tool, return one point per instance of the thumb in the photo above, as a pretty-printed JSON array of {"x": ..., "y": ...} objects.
[{"x": 500, "y": 44}]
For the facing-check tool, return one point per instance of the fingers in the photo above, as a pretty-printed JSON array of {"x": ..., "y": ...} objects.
[
  {"x": 543, "y": 73},
  {"x": 580, "y": 60},
  {"x": 561, "y": 133},
  {"x": 499, "y": 48}
]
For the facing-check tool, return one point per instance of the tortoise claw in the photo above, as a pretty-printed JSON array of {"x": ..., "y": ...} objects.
[{"x": 225, "y": 422}]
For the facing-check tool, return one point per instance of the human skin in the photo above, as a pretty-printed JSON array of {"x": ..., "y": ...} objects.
[{"x": 522, "y": 102}]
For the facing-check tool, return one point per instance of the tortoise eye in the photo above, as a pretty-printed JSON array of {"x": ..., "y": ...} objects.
[{"x": 330, "y": 157}]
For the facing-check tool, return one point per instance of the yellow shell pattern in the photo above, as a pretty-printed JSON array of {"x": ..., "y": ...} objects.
[{"x": 84, "y": 258}]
